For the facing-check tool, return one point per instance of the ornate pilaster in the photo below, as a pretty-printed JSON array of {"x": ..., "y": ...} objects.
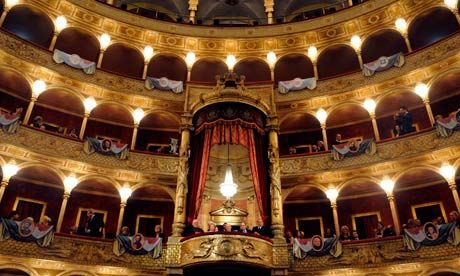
[
  {"x": 428, "y": 110},
  {"x": 83, "y": 125},
  {"x": 65, "y": 198},
  {"x": 33, "y": 99},
  {"x": 120, "y": 216},
  {"x": 182, "y": 176},
  {"x": 324, "y": 133},
  {"x": 375, "y": 127},
  {"x": 453, "y": 188},
  {"x": 335, "y": 215},
  {"x": 192, "y": 7},
  {"x": 275, "y": 178},
  {"x": 134, "y": 138},
  {"x": 394, "y": 213},
  {"x": 269, "y": 9}
]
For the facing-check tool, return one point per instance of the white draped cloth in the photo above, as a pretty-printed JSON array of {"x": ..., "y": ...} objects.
[
  {"x": 296, "y": 84},
  {"x": 74, "y": 61}
]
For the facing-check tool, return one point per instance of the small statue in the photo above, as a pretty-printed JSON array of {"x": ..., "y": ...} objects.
[{"x": 174, "y": 146}]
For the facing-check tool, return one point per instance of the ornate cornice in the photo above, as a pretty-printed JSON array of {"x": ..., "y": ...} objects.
[
  {"x": 179, "y": 38},
  {"x": 32, "y": 145}
]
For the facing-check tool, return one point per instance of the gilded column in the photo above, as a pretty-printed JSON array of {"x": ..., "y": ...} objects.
[
  {"x": 335, "y": 215},
  {"x": 426, "y": 101},
  {"x": 315, "y": 70},
  {"x": 192, "y": 7},
  {"x": 3, "y": 186},
  {"x": 33, "y": 99},
  {"x": 65, "y": 198},
  {"x": 269, "y": 9},
  {"x": 83, "y": 125},
  {"x": 453, "y": 188},
  {"x": 99, "y": 59},
  {"x": 53, "y": 41},
  {"x": 323, "y": 131},
  {"x": 120, "y": 216},
  {"x": 6, "y": 9},
  {"x": 394, "y": 213},
  {"x": 375, "y": 127},
  {"x": 275, "y": 179},
  {"x": 182, "y": 177},
  {"x": 360, "y": 58},
  {"x": 134, "y": 138},
  {"x": 406, "y": 39}
]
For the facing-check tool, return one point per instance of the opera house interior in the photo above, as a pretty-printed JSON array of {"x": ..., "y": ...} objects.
[{"x": 217, "y": 137}]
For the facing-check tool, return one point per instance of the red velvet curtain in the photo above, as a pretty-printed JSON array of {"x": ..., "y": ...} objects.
[{"x": 233, "y": 132}]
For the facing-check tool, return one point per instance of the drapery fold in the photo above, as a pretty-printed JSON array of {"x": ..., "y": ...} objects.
[{"x": 233, "y": 132}]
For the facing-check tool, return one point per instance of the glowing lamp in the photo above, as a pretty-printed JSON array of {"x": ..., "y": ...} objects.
[
  {"x": 125, "y": 193},
  {"x": 271, "y": 58},
  {"x": 90, "y": 104},
  {"x": 228, "y": 188},
  {"x": 11, "y": 3},
  {"x": 401, "y": 25},
  {"x": 148, "y": 53},
  {"x": 332, "y": 194},
  {"x": 356, "y": 42},
  {"x": 421, "y": 90},
  {"x": 10, "y": 170},
  {"x": 138, "y": 114},
  {"x": 321, "y": 115},
  {"x": 312, "y": 53},
  {"x": 369, "y": 105},
  {"x": 451, "y": 4},
  {"x": 104, "y": 40},
  {"x": 70, "y": 182},
  {"x": 60, "y": 23},
  {"x": 448, "y": 172},
  {"x": 387, "y": 185},
  {"x": 38, "y": 87},
  {"x": 231, "y": 61},
  {"x": 190, "y": 59}
]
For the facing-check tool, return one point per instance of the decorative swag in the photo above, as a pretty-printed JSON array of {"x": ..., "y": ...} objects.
[{"x": 235, "y": 131}]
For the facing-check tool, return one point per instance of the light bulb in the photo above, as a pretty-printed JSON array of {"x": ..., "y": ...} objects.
[
  {"x": 369, "y": 105},
  {"x": 104, "y": 40},
  {"x": 70, "y": 182},
  {"x": 38, "y": 87},
  {"x": 271, "y": 59},
  {"x": 90, "y": 104},
  {"x": 148, "y": 53},
  {"x": 190, "y": 59},
  {"x": 312, "y": 53},
  {"x": 356, "y": 42},
  {"x": 401, "y": 25},
  {"x": 321, "y": 115},
  {"x": 421, "y": 89},
  {"x": 138, "y": 114},
  {"x": 60, "y": 23},
  {"x": 231, "y": 61}
]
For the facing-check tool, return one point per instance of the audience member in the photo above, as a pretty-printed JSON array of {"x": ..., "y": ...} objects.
[
  {"x": 14, "y": 215},
  {"x": 320, "y": 146},
  {"x": 405, "y": 120},
  {"x": 193, "y": 229},
  {"x": 338, "y": 139},
  {"x": 44, "y": 224},
  {"x": 261, "y": 229},
  {"x": 329, "y": 233},
  {"x": 300, "y": 234},
  {"x": 289, "y": 237},
  {"x": 455, "y": 217},
  {"x": 379, "y": 230},
  {"x": 314, "y": 148},
  {"x": 354, "y": 235},
  {"x": 292, "y": 150},
  {"x": 212, "y": 227},
  {"x": 94, "y": 226},
  {"x": 344, "y": 233},
  {"x": 244, "y": 228},
  {"x": 124, "y": 231},
  {"x": 389, "y": 231},
  {"x": 158, "y": 232},
  {"x": 227, "y": 227},
  {"x": 73, "y": 134},
  {"x": 396, "y": 131},
  {"x": 37, "y": 122}
]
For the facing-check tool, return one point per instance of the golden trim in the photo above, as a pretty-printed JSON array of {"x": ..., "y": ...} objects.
[
  {"x": 81, "y": 209},
  {"x": 443, "y": 211},
  {"x": 354, "y": 216},
  {"x": 16, "y": 202},
  {"x": 310, "y": 218},
  {"x": 138, "y": 218}
]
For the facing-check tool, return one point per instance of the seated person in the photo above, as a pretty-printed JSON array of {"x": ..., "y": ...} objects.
[
  {"x": 338, "y": 139},
  {"x": 124, "y": 231},
  {"x": 379, "y": 230},
  {"x": 14, "y": 215},
  {"x": 73, "y": 134},
  {"x": 389, "y": 231},
  {"x": 314, "y": 148},
  {"x": 354, "y": 235},
  {"x": 396, "y": 131},
  {"x": 292, "y": 150},
  {"x": 212, "y": 227},
  {"x": 227, "y": 227},
  {"x": 345, "y": 233},
  {"x": 158, "y": 232},
  {"x": 37, "y": 122},
  {"x": 289, "y": 237},
  {"x": 193, "y": 229},
  {"x": 454, "y": 217},
  {"x": 329, "y": 233},
  {"x": 244, "y": 228},
  {"x": 261, "y": 229},
  {"x": 320, "y": 146},
  {"x": 94, "y": 226}
]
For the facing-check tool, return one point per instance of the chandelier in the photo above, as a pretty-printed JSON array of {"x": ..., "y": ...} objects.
[{"x": 228, "y": 188}]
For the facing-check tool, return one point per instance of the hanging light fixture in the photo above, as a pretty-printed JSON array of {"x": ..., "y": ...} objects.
[{"x": 228, "y": 188}]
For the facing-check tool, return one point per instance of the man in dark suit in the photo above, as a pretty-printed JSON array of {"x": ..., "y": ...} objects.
[
  {"x": 405, "y": 120},
  {"x": 244, "y": 228},
  {"x": 261, "y": 229},
  {"x": 94, "y": 226},
  {"x": 193, "y": 229}
]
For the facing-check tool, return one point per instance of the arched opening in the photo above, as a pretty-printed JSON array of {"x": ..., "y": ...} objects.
[
  {"x": 307, "y": 209},
  {"x": 299, "y": 132},
  {"x": 383, "y": 43},
  {"x": 254, "y": 69},
  {"x": 337, "y": 60},
  {"x": 149, "y": 206},
  {"x": 205, "y": 70},
  {"x": 293, "y": 66},
  {"x": 94, "y": 193},
  {"x": 424, "y": 29},
  {"x": 391, "y": 104},
  {"x": 123, "y": 60},
  {"x": 169, "y": 66},
  {"x": 15, "y": 91},
  {"x": 361, "y": 205},
  {"x": 444, "y": 94},
  {"x": 31, "y": 24},
  {"x": 351, "y": 121},
  {"x": 80, "y": 42},
  {"x": 13, "y": 272},
  {"x": 423, "y": 194},
  {"x": 156, "y": 131},
  {"x": 35, "y": 191},
  {"x": 60, "y": 110},
  {"x": 110, "y": 121}
]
